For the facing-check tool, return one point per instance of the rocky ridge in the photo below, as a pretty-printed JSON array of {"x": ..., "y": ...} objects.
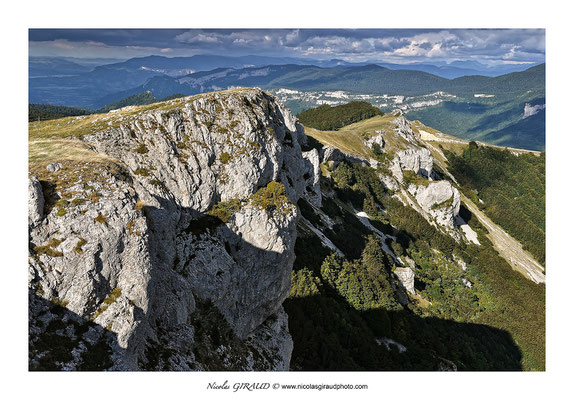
[
  {"x": 410, "y": 166},
  {"x": 405, "y": 166},
  {"x": 191, "y": 227}
]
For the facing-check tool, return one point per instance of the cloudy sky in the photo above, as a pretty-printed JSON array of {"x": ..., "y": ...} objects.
[{"x": 489, "y": 46}]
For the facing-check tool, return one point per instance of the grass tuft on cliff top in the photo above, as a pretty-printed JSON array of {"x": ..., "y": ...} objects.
[{"x": 272, "y": 198}]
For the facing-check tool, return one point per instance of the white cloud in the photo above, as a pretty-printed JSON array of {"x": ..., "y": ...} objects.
[{"x": 401, "y": 46}]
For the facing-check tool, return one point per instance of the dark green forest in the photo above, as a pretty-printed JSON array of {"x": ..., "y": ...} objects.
[
  {"x": 44, "y": 112},
  {"x": 342, "y": 306},
  {"x": 497, "y": 120},
  {"x": 512, "y": 190},
  {"x": 135, "y": 100},
  {"x": 328, "y": 118},
  {"x": 139, "y": 99}
]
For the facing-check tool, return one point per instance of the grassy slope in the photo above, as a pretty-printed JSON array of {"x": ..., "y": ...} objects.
[
  {"x": 326, "y": 117},
  {"x": 350, "y": 138},
  {"x": 513, "y": 303},
  {"x": 43, "y": 112}
]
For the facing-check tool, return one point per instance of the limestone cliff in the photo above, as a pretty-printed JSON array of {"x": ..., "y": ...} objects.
[{"x": 170, "y": 245}]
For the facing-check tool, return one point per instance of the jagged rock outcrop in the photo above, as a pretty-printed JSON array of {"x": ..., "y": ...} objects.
[
  {"x": 332, "y": 156},
  {"x": 403, "y": 127},
  {"x": 441, "y": 200},
  {"x": 91, "y": 257},
  {"x": 377, "y": 139},
  {"x": 416, "y": 159},
  {"x": 407, "y": 278},
  {"x": 35, "y": 201},
  {"x": 312, "y": 176},
  {"x": 251, "y": 277},
  {"x": 271, "y": 340},
  {"x": 126, "y": 244}
]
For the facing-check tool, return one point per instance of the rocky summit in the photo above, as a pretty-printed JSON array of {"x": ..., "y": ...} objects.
[{"x": 168, "y": 242}]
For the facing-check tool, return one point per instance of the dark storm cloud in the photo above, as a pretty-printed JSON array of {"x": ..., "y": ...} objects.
[
  {"x": 110, "y": 37},
  {"x": 396, "y": 45}
]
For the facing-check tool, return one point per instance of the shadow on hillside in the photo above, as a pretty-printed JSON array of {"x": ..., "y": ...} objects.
[
  {"x": 329, "y": 334},
  {"x": 490, "y": 122},
  {"x": 178, "y": 293},
  {"x": 528, "y": 133},
  {"x": 465, "y": 108},
  {"x": 60, "y": 339}
]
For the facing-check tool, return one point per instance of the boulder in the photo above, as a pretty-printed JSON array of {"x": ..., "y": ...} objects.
[
  {"x": 54, "y": 167},
  {"x": 416, "y": 159},
  {"x": 440, "y": 200},
  {"x": 407, "y": 278}
]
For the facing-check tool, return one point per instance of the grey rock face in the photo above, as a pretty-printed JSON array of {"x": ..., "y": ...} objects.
[
  {"x": 54, "y": 167},
  {"x": 331, "y": 155},
  {"x": 134, "y": 252},
  {"x": 389, "y": 182},
  {"x": 217, "y": 147},
  {"x": 416, "y": 159},
  {"x": 272, "y": 339},
  {"x": 35, "y": 201},
  {"x": 374, "y": 163},
  {"x": 439, "y": 199},
  {"x": 312, "y": 176},
  {"x": 87, "y": 259},
  {"x": 404, "y": 129},
  {"x": 243, "y": 267},
  {"x": 396, "y": 170},
  {"x": 407, "y": 278},
  {"x": 378, "y": 139}
]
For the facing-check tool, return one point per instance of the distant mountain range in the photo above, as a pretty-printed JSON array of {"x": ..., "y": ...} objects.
[
  {"x": 83, "y": 82},
  {"x": 165, "y": 76},
  {"x": 58, "y": 66},
  {"x": 482, "y": 107},
  {"x": 54, "y": 66}
]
